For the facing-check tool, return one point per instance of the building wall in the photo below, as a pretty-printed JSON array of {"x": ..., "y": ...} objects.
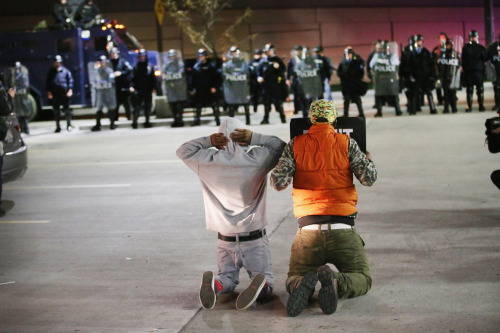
[{"x": 334, "y": 28}]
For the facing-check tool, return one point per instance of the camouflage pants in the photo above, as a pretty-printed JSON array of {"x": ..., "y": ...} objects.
[{"x": 343, "y": 248}]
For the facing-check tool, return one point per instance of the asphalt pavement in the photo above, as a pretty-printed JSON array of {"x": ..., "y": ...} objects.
[{"x": 105, "y": 232}]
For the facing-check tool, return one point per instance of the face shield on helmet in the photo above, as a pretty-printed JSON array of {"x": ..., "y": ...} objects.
[
  {"x": 348, "y": 52},
  {"x": 269, "y": 49}
]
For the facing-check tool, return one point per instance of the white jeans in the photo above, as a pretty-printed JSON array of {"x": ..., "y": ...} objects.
[{"x": 254, "y": 256}]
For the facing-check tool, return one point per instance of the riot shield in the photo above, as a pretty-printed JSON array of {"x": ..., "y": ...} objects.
[
  {"x": 354, "y": 127},
  {"x": 102, "y": 81},
  {"x": 385, "y": 65},
  {"x": 18, "y": 77},
  {"x": 308, "y": 74},
  {"x": 235, "y": 76},
  {"x": 174, "y": 82},
  {"x": 458, "y": 44}
]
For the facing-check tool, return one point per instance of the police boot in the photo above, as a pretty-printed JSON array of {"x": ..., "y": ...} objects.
[
  {"x": 453, "y": 102},
  {"x": 112, "y": 117},
  {"x": 26, "y": 126},
  {"x": 397, "y": 106},
  {"x": 282, "y": 114},
  {"x": 359, "y": 104},
  {"x": 469, "y": 100},
  {"x": 267, "y": 109},
  {"x": 68, "y": 120},
  {"x": 480, "y": 99},
  {"x": 432, "y": 105},
  {"x": 346, "y": 107},
  {"x": 497, "y": 98},
  {"x": 247, "y": 114},
  {"x": 136, "y": 118},
  {"x": 379, "y": 107},
  {"x": 147, "y": 114},
  {"x": 98, "y": 117},
  {"x": 232, "y": 110},
  {"x": 57, "y": 118},
  {"x": 446, "y": 103},
  {"x": 216, "y": 115},
  {"x": 197, "y": 121}
]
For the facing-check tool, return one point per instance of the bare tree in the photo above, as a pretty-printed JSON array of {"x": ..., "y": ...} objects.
[{"x": 197, "y": 18}]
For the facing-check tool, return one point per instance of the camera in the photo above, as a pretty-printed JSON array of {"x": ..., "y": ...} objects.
[{"x": 492, "y": 139}]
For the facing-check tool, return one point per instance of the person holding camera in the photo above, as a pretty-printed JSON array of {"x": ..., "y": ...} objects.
[
  {"x": 493, "y": 141},
  {"x": 6, "y": 107}
]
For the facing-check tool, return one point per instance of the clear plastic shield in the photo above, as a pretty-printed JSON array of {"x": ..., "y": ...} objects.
[
  {"x": 385, "y": 66},
  {"x": 174, "y": 81},
  {"x": 102, "y": 81},
  {"x": 458, "y": 44},
  {"x": 18, "y": 77},
  {"x": 235, "y": 76},
  {"x": 308, "y": 74}
]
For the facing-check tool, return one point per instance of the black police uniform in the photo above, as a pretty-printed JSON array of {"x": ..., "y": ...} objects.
[
  {"x": 473, "y": 64},
  {"x": 274, "y": 87},
  {"x": 351, "y": 73},
  {"x": 422, "y": 78},
  {"x": 59, "y": 82},
  {"x": 255, "y": 87},
  {"x": 202, "y": 79},
  {"x": 122, "y": 86},
  {"x": 143, "y": 82}
]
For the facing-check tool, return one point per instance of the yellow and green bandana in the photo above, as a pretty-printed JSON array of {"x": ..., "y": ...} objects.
[{"x": 322, "y": 109}]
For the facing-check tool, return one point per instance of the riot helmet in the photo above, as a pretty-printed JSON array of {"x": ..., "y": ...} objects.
[
  {"x": 114, "y": 53},
  {"x": 473, "y": 34},
  {"x": 257, "y": 51},
  {"x": 143, "y": 55},
  {"x": 348, "y": 52},
  {"x": 202, "y": 53},
  {"x": 268, "y": 47},
  {"x": 318, "y": 49},
  {"x": 385, "y": 47},
  {"x": 234, "y": 52},
  {"x": 58, "y": 59},
  {"x": 298, "y": 48},
  {"x": 18, "y": 64},
  {"x": 172, "y": 53}
]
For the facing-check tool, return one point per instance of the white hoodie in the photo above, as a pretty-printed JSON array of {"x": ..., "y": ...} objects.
[{"x": 234, "y": 180}]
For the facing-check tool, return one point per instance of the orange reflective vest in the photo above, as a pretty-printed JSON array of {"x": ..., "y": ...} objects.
[{"x": 323, "y": 182}]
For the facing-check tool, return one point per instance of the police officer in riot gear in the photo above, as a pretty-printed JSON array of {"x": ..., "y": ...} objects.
[
  {"x": 495, "y": 61},
  {"x": 203, "y": 85},
  {"x": 175, "y": 84},
  {"x": 351, "y": 71},
  {"x": 271, "y": 74},
  {"x": 87, "y": 14},
  {"x": 292, "y": 80},
  {"x": 436, "y": 54},
  {"x": 102, "y": 79},
  {"x": 255, "y": 87},
  {"x": 235, "y": 76},
  {"x": 326, "y": 70},
  {"x": 59, "y": 85},
  {"x": 310, "y": 84},
  {"x": 22, "y": 106},
  {"x": 143, "y": 86},
  {"x": 473, "y": 65},
  {"x": 449, "y": 75},
  {"x": 420, "y": 77},
  {"x": 384, "y": 65},
  {"x": 123, "y": 78}
]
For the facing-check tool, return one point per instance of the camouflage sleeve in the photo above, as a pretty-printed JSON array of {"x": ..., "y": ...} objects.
[
  {"x": 363, "y": 168},
  {"x": 282, "y": 174}
]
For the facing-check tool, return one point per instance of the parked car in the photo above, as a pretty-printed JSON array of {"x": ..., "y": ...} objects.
[{"x": 15, "y": 161}]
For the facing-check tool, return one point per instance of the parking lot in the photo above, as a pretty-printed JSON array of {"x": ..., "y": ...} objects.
[{"x": 105, "y": 233}]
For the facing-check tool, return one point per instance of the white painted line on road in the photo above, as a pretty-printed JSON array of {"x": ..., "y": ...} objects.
[
  {"x": 65, "y": 187},
  {"x": 7, "y": 283},
  {"x": 35, "y": 165},
  {"x": 24, "y": 222}
]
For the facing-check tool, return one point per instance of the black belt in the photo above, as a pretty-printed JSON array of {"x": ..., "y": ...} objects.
[{"x": 250, "y": 237}]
